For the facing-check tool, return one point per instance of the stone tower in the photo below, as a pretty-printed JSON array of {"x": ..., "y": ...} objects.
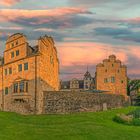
[{"x": 111, "y": 76}]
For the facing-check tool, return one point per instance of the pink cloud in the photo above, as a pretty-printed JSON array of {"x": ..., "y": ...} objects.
[
  {"x": 81, "y": 53},
  {"x": 12, "y": 14},
  {"x": 135, "y": 51},
  {"x": 75, "y": 56},
  {"x": 8, "y": 2},
  {"x": 135, "y": 19}
]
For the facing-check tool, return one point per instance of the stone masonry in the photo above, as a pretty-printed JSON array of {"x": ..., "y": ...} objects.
[{"x": 70, "y": 102}]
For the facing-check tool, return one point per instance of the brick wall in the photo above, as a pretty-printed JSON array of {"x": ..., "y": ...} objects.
[{"x": 70, "y": 102}]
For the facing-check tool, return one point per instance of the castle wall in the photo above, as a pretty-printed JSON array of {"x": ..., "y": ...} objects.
[
  {"x": 70, "y": 102},
  {"x": 47, "y": 70},
  {"x": 10, "y": 79}
]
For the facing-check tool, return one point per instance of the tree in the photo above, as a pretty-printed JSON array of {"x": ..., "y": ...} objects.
[{"x": 132, "y": 89}]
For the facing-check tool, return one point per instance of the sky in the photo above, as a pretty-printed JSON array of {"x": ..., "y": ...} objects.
[{"x": 85, "y": 31}]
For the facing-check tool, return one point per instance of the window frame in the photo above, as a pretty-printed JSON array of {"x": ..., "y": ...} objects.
[
  {"x": 12, "y": 54},
  {"x": 6, "y": 90},
  {"x": 17, "y": 52},
  {"x": 10, "y": 70},
  {"x": 26, "y": 66},
  {"x": 113, "y": 79},
  {"x": 5, "y": 72},
  {"x": 19, "y": 67}
]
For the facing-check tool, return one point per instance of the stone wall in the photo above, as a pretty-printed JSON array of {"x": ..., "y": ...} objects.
[
  {"x": 21, "y": 107},
  {"x": 70, "y": 102}
]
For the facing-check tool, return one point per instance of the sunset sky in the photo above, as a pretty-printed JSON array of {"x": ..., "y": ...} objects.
[{"x": 85, "y": 31}]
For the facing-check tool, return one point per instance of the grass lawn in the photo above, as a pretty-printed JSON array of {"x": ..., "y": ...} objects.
[{"x": 84, "y": 126}]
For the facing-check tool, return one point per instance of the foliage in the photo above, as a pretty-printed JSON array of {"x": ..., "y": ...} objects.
[
  {"x": 118, "y": 118},
  {"x": 132, "y": 118},
  {"x": 137, "y": 100},
  {"x": 132, "y": 85},
  {"x": 136, "y": 122},
  {"x": 135, "y": 113}
]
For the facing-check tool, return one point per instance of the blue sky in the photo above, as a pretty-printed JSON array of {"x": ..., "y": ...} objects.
[{"x": 85, "y": 31}]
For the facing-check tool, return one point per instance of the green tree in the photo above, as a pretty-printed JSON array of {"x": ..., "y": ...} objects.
[{"x": 133, "y": 87}]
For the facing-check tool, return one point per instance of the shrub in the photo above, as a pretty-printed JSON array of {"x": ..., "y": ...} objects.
[
  {"x": 122, "y": 118},
  {"x": 135, "y": 113},
  {"x": 136, "y": 122}
]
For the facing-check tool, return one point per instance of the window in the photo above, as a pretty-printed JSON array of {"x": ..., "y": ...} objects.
[
  {"x": 118, "y": 71},
  {"x": 10, "y": 70},
  {"x": 16, "y": 42},
  {"x": 5, "y": 71},
  {"x": 112, "y": 79},
  {"x": 17, "y": 52},
  {"x": 21, "y": 86},
  {"x": 20, "y": 67},
  {"x": 16, "y": 88},
  {"x": 105, "y": 80},
  {"x": 12, "y": 54},
  {"x": 122, "y": 81},
  {"x": 112, "y": 65},
  {"x": 12, "y": 44},
  {"x": 25, "y": 66},
  {"x": 6, "y": 90}
]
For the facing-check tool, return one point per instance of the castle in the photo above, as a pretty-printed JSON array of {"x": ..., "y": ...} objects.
[
  {"x": 29, "y": 80},
  {"x": 111, "y": 76},
  {"x": 25, "y": 72}
]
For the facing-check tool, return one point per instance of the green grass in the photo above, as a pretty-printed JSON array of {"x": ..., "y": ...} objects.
[{"x": 84, "y": 126}]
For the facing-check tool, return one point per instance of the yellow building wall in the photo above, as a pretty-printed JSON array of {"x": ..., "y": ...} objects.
[{"x": 112, "y": 68}]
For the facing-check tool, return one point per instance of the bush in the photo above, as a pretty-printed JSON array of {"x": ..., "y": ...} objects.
[
  {"x": 135, "y": 113},
  {"x": 136, "y": 122},
  {"x": 132, "y": 118},
  {"x": 122, "y": 118}
]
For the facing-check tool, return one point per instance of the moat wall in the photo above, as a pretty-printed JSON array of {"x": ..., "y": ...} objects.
[{"x": 71, "y": 102}]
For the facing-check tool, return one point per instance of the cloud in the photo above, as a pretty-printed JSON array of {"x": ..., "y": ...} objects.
[
  {"x": 88, "y": 3},
  {"x": 81, "y": 53},
  {"x": 75, "y": 56},
  {"x": 12, "y": 14},
  {"x": 65, "y": 17},
  {"x": 119, "y": 33},
  {"x": 9, "y": 2}
]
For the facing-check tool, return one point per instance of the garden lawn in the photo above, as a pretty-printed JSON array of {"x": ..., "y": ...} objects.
[{"x": 83, "y": 126}]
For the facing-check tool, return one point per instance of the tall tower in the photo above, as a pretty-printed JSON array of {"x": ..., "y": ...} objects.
[{"x": 111, "y": 76}]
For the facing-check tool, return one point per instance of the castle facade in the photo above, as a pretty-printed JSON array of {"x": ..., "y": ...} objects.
[
  {"x": 111, "y": 76},
  {"x": 25, "y": 72}
]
